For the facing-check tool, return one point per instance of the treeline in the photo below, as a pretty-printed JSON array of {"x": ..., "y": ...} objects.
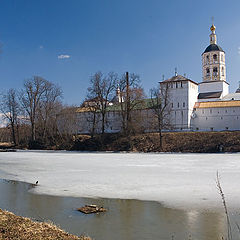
[{"x": 32, "y": 113}]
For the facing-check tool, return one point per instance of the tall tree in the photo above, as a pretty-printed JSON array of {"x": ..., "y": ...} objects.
[
  {"x": 132, "y": 96},
  {"x": 91, "y": 115},
  {"x": 100, "y": 92},
  {"x": 11, "y": 109},
  {"x": 160, "y": 105},
  {"x": 49, "y": 107},
  {"x": 38, "y": 97}
]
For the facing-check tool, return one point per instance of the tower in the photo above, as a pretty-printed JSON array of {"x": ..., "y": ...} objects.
[
  {"x": 213, "y": 60},
  {"x": 214, "y": 83}
]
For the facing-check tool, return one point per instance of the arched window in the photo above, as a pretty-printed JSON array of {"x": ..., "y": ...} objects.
[
  {"x": 207, "y": 72},
  {"x": 215, "y": 71},
  {"x": 222, "y": 71},
  {"x": 222, "y": 57},
  {"x": 215, "y": 58},
  {"x": 207, "y": 59}
]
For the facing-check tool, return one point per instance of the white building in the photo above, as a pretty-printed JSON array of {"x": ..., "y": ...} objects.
[
  {"x": 183, "y": 94},
  {"x": 216, "y": 109},
  {"x": 204, "y": 106}
]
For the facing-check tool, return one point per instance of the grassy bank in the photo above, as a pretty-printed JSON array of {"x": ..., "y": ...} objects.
[
  {"x": 198, "y": 142},
  {"x": 15, "y": 227},
  {"x": 205, "y": 142}
]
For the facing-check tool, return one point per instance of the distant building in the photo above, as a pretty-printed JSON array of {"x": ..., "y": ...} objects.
[
  {"x": 204, "y": 106},
  {"x": 216, "y": 108},
  {"x": 183, "y": 94}
]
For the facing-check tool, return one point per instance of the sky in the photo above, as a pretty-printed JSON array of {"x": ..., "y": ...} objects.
[{"x": 67, "y": 41}]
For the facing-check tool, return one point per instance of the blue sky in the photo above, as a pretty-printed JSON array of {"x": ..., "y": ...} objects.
[{"x": 147, "y": 37}]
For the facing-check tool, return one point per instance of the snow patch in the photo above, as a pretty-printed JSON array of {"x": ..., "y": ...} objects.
[{"x": 176, "y": 180}]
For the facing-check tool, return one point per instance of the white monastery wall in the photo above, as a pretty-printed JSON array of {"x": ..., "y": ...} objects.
[{"x": 216, "y": 119}]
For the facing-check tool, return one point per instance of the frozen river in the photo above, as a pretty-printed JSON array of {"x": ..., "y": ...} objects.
[
  {"x": 179, "y": 192},
  {"x": 175, "y": 180}
]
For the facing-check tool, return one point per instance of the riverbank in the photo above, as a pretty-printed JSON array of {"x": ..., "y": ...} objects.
[
  {"x": 194, "y": 142},
  {"x": 15, "y": 227}
]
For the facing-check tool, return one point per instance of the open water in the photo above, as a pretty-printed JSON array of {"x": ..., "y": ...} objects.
[{"x": 124, "y": 220}]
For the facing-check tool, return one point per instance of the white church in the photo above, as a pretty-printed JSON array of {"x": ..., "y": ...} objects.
[{"x": 205, "y": 106}]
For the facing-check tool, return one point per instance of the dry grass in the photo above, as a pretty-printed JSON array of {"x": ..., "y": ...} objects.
[
  {"x": 6, "y": 144},
  {"x": 15, "y": 227},
  {"x": 207, "y": 142}
]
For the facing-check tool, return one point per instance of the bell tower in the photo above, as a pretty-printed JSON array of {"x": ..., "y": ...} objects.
[
  {"x": 213, "y": 68},
  {"x": 213, "y": 60}
]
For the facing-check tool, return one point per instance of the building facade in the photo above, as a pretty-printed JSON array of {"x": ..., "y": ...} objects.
[
  {"x": 215, "y": 109},
  {"x": 204, "y": 106}
]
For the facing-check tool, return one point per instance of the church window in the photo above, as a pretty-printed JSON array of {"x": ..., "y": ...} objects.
[
  {"x": 221, "y": 118},
  {"x": 215, "y": 58},
  {"x": 222, "y": 57},
  {"x": 207, "y": 72},
  {"x": 225, "y": 111},
  {"x": 207, "y": 59},
  {"x": 176, "y": 85},
  {"x": 206, "y": 118},
  {"x": 178, "y": 104},
  {"x": 211, "y": 111},
  {"x": 215, "y": 71},
  {"x": 184, "y": 104},
  {"x": 171, "y": 85},
  {"x": 181, "y": 84},
  {"x": 172, "y": 105},
  {"x": 222, "y": 71},
  {"x": 203, "y": 111}
]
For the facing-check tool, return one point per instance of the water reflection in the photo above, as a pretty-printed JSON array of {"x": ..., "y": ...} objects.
[{"x": 125, "y": 219}]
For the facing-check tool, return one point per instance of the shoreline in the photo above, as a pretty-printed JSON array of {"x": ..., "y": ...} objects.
[
  {"x": 17, "y": 227},
  {"x": 173, "y": 142}
]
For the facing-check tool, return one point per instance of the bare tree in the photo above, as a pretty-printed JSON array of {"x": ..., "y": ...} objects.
[
  {"x": 100, "y": 92},
  {"x": 49, "y": 107},
  {"x": 38, "y": 98},
  {"x": 132, "y": 96},
  {"x": 11, "y": 109},
  {"x": 160, "y": 105},
  {"x": 67, "y": 122},
  {"x": 91, "y": 114}
]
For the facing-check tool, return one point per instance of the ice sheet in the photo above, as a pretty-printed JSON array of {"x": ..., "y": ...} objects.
[{"x": 176, "y": 180}]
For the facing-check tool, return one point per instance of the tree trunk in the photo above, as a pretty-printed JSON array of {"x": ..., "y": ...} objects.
[
  {"x": 33, "y": 132},
  {"x": 103, "y": 123},
  {"x": 160, "y": 133},
  {"x": 94, "y": 125},
  {"x": 13, "y": 133}
]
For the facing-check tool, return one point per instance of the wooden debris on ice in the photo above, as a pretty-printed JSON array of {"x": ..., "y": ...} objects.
[{"x": 87, "y": 209}]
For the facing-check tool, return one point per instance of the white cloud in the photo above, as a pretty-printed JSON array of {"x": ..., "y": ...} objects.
[{"x": 63, "y": 56}]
